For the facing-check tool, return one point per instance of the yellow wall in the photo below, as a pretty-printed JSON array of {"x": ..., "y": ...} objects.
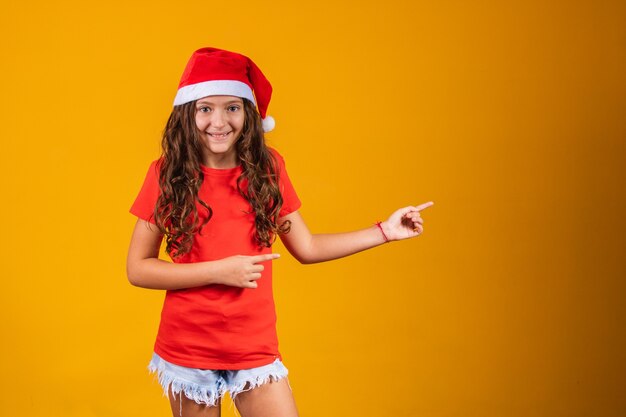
[{"x": 509, "y": 115}]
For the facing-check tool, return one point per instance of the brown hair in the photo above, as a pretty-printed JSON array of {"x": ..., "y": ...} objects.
[{"x": 176, "y": 212}]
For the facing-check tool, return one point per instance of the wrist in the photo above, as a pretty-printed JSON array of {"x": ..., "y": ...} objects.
[
  {"x": 381, "y": 228},
  {"x": 212, "y": 270}
]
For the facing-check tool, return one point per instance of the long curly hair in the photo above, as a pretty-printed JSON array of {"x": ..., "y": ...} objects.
[{"x": 176, "y": 211}]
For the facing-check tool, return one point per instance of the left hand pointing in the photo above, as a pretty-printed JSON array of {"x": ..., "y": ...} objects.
[{"x": 406, "y": 222}]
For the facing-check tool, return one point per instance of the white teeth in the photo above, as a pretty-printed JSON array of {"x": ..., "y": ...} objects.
[{"x": 221, "y": 135}]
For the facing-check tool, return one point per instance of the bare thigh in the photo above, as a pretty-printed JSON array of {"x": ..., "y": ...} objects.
[
  {"x": 273, "y": 399},
  {"x": 191, "y": 408}
]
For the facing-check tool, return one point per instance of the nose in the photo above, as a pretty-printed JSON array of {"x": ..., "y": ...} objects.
[{"x": 218, "y": 119}]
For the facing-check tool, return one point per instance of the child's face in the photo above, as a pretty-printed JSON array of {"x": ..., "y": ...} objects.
[{"x": 220, "y": 122}]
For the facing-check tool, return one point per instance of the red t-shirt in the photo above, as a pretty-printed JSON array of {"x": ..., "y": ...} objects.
[{"x": 218, "y": 326}]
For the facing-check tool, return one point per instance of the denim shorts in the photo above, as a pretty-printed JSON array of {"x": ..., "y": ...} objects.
[{"x": 208, "y": 386}]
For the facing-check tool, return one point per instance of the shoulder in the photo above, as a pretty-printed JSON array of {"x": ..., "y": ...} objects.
[
  {"x": 153, "y": 175},
  {"x": 144, "y": 204},
  {"x": 276, "y": 154},
  {"x": 278, "y": 158},
  {"x": 157, "y": 163},
  {"x": 155, "y": 167}
]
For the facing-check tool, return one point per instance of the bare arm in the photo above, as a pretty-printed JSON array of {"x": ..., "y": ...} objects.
[
  {"x": 145, "y": 270},
  {"x": 311, "y": 248}
]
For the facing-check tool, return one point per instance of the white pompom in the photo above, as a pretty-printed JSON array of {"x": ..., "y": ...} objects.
[{"x": 268, "y": 124}]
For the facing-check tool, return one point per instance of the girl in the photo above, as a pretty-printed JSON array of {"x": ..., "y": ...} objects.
[{"x": 220, "y": 197}]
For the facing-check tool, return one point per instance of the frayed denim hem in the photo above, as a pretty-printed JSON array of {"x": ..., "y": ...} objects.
[
  {"x": 248, "y": 385},
  {"x": 207, "y": 386},
  {"x": 201, "y": 394}
]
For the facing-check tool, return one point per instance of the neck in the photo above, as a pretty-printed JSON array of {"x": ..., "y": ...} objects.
[{"x": 221, "y": 161}]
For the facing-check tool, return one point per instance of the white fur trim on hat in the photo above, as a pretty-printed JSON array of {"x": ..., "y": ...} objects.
[
  {"x": 213, "y": 88},
  {"x": 268, "y": 124}
]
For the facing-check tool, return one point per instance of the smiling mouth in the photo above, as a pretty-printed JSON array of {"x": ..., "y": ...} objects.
[{"x": 219, "y": 135}]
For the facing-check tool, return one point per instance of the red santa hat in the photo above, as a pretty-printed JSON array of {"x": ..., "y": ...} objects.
[{"x": 215, "y": 72}]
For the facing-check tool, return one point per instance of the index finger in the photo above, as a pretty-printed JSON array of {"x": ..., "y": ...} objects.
[
  {"x": 424, "y": 206},
  {"x": 266, "y": 257}
]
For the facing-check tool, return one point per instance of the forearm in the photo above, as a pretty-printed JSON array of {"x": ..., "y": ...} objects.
[
  {"x": 154, "y": 273},
  {"x": 310, "y": 248},
  {"x": 325, "y": 247}
]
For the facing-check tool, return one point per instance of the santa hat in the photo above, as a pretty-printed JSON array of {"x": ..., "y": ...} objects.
[{"x": 215, "y": 72}]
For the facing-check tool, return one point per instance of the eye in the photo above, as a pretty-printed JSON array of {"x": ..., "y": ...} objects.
[
  {"x": 234, "y": 108},
  {"x": 204, "y": 109}
]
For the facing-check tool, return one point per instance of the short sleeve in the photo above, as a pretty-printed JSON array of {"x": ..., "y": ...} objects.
[
  {"x": 144, "y": 204},
  {"x": 291, "y": 202}
]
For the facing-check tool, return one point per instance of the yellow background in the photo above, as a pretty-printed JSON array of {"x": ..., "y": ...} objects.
[{"x": 509, "y": 115}]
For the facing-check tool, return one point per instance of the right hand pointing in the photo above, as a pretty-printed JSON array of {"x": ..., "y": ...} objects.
[{"x": 242, "y": 271}]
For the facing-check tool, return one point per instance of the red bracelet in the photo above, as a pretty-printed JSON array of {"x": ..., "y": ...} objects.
[{"x": 382, "y": 231}]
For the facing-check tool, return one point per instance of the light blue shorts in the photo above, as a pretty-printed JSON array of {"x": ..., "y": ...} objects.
[{"x": 208, "y": 386}]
